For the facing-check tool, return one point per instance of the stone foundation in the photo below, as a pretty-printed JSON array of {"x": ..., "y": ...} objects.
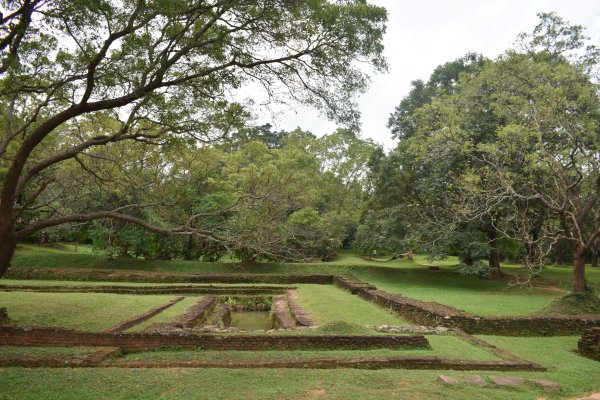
[
  {"x": 196, "y": 313},
  {"x": 281, "y": 313},
  {"x": 141, "y": 290},
  {"x": 221, "y": 317},
  {"x": 302, "y": 317},
  {"x": 589, "y": 344},
  {"x": 115, "y": 275},
  {"x": 131, "y": 342}
]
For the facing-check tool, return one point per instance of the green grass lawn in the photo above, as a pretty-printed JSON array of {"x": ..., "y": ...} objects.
[
  {"x": 477, "y": 296},
  {"x": 329, "y": 304},
  {"x": 576, "y": 375},
  {"x": 410, "y": 278},
  {"x": 166, "y": 315},
  {"x": 81, "y": 311}
]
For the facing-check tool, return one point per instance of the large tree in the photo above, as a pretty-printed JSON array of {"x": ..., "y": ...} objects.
[
  {"x": 535, "y": 174},
  {"x": 413, "y": 184},
  {"x": 152, "y": 71}
]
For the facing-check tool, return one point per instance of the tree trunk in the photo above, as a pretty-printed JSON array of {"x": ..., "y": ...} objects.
[
  {"x": 559, "y": 254},
  {"x": 579, "y": 271},
  {"x": 594, "y": 258},
  {"x": 8, "y": 243},
  {"x": 494, "y": 261}
]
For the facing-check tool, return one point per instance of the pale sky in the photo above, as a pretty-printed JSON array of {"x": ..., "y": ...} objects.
[{"x": 422, "y": 34}]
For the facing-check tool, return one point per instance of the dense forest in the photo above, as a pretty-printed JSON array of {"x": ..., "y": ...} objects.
[{"x": 121, "y": 129}]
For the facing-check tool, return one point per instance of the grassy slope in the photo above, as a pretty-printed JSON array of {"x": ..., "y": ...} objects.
[{"x": 82, "y": 311}]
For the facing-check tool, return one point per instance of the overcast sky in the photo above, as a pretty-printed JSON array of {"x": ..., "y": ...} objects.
[{"x": 422, "y": 34}]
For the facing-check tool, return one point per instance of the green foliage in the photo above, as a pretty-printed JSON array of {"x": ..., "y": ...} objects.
[
  {"x": 496, "y": 156},
  {"x": 100, "y": 99},
  {"x": 477, "y": 268}
]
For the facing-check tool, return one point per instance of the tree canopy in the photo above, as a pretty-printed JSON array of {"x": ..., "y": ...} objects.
[
  {"x": 79, "y": 75},
  {"x": 509, "y": 151}
]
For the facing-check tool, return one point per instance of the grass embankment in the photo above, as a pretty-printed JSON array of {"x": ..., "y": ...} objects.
[{"x": 81, "y": 311}]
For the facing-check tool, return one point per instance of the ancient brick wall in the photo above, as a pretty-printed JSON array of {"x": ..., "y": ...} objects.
[
  {"x": 22, "y": 336},
  {"x": 120, "y": 289},
  {"x": 301, "y": 316},
  {"x": 281, "y": 313},
  {"x": 196, "y": 313},
  {"x": 114, "y": 275},
  {"x": 222, "y": 316},
  {"x": 589, "y": 344}
]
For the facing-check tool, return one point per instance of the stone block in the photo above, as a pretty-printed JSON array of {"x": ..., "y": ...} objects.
[
  {"x": 475, "y": 380},
  {"x": 507, "y": 380},
  {"x": 448, "y": 380},
  {"x": 548, "y": 386}
]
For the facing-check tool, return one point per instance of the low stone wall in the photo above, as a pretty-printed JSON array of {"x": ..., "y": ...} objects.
[
  {"x": 589, "y": 344},
  {"x": 196, "y": 313},
  {"x": 435, "y": 314},
  {"x": 150, "y": 290},
  {"x": 298, "y": 313},
  {"x": 428, "y": 363},
  {"x": 115, "y": 275},
  {"x": 281, "y": 313},
  {"x": 221, "y": 317},
  {"x": 351, "y": 284},
  {"x": 129, "y": 342}
]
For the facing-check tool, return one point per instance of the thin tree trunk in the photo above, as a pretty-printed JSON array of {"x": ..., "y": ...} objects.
[
  {"x": 559, "y": 254},
  {"x": 594, "y": 258},
  {"x": 494, "y": 261},
  {"x": 579, "y": 272},
  {"x": 8, "y": 243}
]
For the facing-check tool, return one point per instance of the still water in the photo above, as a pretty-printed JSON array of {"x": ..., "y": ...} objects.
[{"x": 251, "y": 320}]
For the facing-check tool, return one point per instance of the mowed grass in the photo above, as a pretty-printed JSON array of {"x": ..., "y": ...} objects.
[
  {"x": 577, "y": 376},
  {"x": 328, "y": 304},
  {"x": 477, "y": 296},
  {"x": 168, "y": 314},
  {"x": 81, "y": 311}
]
